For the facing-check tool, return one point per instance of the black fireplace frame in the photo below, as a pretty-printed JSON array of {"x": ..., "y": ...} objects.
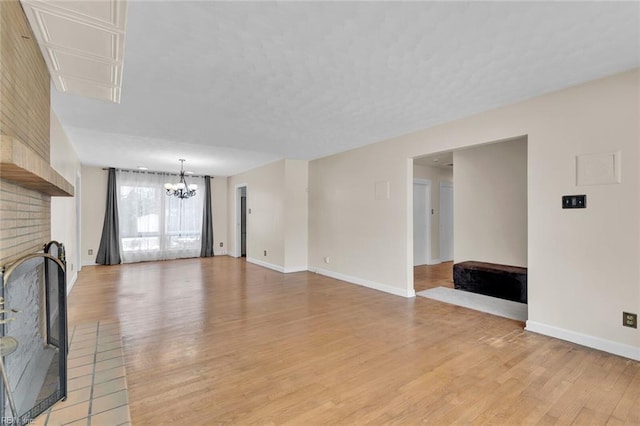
[{"x": 54, "y": 257}]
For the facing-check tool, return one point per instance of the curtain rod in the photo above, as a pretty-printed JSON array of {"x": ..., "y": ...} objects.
[{"x": 155, "y": 172}]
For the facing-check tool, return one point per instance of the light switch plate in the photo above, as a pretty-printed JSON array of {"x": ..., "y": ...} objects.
[{"x": 574, "y": 201}]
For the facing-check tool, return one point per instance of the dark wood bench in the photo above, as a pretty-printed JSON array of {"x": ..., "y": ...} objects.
[{"x": 491, "y": 279}]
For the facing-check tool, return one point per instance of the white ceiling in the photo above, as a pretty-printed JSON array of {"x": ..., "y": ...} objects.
[{"x": 233, "y": 85}]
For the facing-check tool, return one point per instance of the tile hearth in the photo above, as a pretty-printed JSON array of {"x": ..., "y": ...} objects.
[{"x": 97, "y": 385}]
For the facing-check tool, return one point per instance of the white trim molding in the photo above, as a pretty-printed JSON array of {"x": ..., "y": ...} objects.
[
  {"x": 266, "y": 264},
  {"x": 237, "y": 237},
  {"x": 365, "y": 283},
  {"x": 295, "y": 269},
  {"x": 434, "y": 262},
  {"x": 605, "y": 345},
  {"x": 277, "y": 267}
]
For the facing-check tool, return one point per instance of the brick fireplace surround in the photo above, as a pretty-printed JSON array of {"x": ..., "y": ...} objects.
[{"x": 27, "y": 180}]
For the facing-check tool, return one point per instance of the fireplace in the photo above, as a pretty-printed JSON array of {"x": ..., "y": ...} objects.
[{"x": 33, "y": 334}]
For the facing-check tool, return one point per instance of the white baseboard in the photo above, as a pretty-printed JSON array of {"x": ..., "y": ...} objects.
[
  {"x": 266, "y": 264},
  {"x": 220, "y": 253},
  {"x": 295, "y": 269},
  {"x": 610, "y": 346},
  {"x": 365, "y": 283},
  {"x": 72, "y": 282},
  {"x": 277, "y": 267},
  {"x": 434, "y": 261}
]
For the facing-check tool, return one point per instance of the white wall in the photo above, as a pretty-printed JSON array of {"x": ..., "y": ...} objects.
[
  {"x": 435, "y": 175},
  {"x": 64, "y": 160},
  {"x": 219, "y": 210},
  {"x": 277, "y": 221},
  {"x": 490, "y": 203},
  {"x": 94, "y": 201},
  {"x": 365, "y": 236},
  {"x": 583, "y": 264},
  {"x": 296, "y": 212},
  {"x": 265, "y": 220}
]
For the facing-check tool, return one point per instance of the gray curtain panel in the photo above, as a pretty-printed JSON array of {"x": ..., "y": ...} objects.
[
  {"x": 206, "y": 248},
  {"x": 109, "y": 250}
]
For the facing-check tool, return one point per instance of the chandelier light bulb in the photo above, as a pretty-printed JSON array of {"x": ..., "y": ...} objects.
[{"x": 182, "y": 189}]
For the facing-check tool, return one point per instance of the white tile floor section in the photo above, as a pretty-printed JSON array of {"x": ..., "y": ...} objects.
[
  {"x": 478, "y": 302},
  {"x": 97, "y": 384}
]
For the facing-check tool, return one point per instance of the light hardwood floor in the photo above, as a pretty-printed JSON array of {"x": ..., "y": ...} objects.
[
  {"x": 430, "y": 276},
  {"x": 220, "y": 341}
]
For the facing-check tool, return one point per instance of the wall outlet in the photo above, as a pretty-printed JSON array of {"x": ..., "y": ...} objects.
[
  {"x": 221, "y": 244},
  {"x": 90, "y": 252},
  {"x": 327, "y": 259},
  {"x": 630, "y": 320},
  {"x": 265, "y": 252}
]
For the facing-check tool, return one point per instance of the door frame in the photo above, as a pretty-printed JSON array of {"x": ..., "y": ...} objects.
[
  {"x": 426, "y": 183},
  {"x": 237, "y": 252}
]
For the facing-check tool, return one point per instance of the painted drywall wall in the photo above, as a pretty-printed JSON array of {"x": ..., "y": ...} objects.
[
  {"x": 64, "y": 220},
  {"x": 436, "y": 175},
  {"x": 219, "y": 211},
  {"x": 93, "y": 201},
  {"x": 277, "y": 214},
  {"x": 265, "y": 213},
  {"x": 296, "y": 212},
  {"x": 358, "y": 217},
  {"x": 583, "y": 268},
  {"x": 490, "y": 203}
]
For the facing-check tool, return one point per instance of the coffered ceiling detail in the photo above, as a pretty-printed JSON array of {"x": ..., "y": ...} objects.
[{"x": 82, "y": 43}]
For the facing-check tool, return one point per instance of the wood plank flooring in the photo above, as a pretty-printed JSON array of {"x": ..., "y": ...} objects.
[
  {"x": 431, "y": 276},
  {"x": 220, "y": 341}
]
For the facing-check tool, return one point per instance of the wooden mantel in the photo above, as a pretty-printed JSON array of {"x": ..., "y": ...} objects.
[{"x": 20, "y": 164}]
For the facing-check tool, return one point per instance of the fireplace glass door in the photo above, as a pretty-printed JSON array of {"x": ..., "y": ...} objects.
[{"x": 33, "y": 335}]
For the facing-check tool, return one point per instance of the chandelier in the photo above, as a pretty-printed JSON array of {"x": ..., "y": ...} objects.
[{"x": 181, "y": 189}]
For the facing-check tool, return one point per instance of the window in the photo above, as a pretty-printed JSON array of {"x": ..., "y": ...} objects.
[{"x": 154, "y": 226}]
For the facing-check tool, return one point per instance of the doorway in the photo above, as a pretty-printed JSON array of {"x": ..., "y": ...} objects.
[
  {"x": 241, "y": 221},
  {"x": 430, "y": 268},
  {"x": 243, "y": 225}
]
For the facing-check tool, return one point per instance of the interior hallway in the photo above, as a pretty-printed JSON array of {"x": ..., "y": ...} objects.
[{"x": 222, "y": 340}]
